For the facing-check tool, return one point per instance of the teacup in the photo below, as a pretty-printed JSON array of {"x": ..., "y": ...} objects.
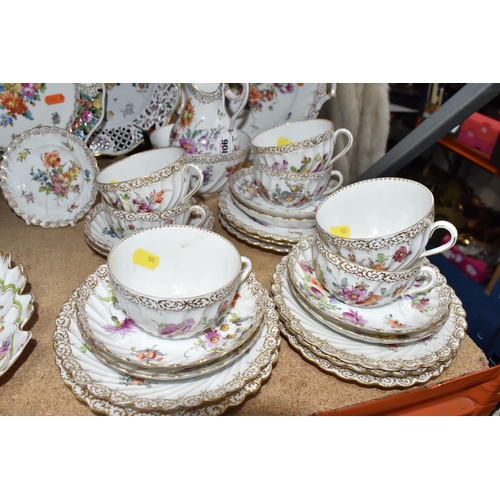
[
  {"x": 301, "y": 147},
  {"x": 175, "y": 281},
  {"x": 360, "y": 286},
  {"x": 290, "y": 189},
  {"x": 151, "y": 181},
  {"x": 125, "y": 223},
  {"x": 382, "y": 224}
]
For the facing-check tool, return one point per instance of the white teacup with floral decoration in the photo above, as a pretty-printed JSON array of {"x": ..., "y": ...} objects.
[
  {"x": 151, "y": 181},
  {"x": 292, "y": 189},
  {"x": 383, "y": 224},
  {"x": 304, "y": 146},
  {"x": 175, "y": 281},
  {"x": 125, "y": 223},
  {"x": 361, "y": 286}
]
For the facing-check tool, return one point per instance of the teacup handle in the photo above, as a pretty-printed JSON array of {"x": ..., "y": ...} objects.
[
  {"x": 201, "y": 210},
  {"x": 441, "y": 224},
  {"x": 428, "y": 286},
  {"x": 243, "y": 97},
  {"x": 348, "y": 146},
  {"x": 336, "y": 173},
  {"x": 246, "y": 268},
  {"x": 188, "y": 178}
]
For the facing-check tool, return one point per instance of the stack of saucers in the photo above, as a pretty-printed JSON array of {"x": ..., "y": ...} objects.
[
  {"x": 388, "y": 325},
  {"x": 272, "y": 204},
  {"x": 150, "y": 189},
  {"x": 178, "y": 338}
]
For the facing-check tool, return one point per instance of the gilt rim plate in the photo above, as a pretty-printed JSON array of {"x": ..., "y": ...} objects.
[{"x": 47, "y": 176}]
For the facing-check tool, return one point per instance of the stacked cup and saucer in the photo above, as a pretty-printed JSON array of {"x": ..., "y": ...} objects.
[
  {"x": 272, "y": 203},
  {"x": 175, "y": 323},
  {"x": 149, "y": 189},
  {"x": 359, "y": 297}
]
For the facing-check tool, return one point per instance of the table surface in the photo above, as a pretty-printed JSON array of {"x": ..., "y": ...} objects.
[{"x": 57, "y": 261}]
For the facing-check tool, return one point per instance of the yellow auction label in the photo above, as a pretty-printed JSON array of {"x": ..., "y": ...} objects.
[
  {"x": 112, "y": 181},
  {"x": 282, "y": 141},
  {"x": 145, "y": 259},
  {"x": 342, "y": 231}
]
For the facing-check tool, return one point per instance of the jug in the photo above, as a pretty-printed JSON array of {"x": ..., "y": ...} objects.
[{"x": 204, "y": 125}]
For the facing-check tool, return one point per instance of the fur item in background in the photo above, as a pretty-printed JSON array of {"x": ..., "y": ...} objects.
[{"x": 363, "y": 109}]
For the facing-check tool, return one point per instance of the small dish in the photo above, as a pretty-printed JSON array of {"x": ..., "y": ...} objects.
[
  {"x": 109, "y": 329},
  {"x": 47, "y": 176},
  {"x": 410, "y": 314},
  {"x": 244, "y": 189},
  {"x": 16, "y": 309},
  {"x": 239, "y": 219},
  {"x": 101, "y": 238}
]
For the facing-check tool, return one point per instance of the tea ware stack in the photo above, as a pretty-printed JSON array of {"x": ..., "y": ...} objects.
[
  {"x": 159, "y": 331},
  {"x": 272, "y": 203},
  {"x": 360, "y": 299},
  {"x": 150, "y": 189}
]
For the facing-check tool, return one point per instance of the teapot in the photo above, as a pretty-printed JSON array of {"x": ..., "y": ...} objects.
[{"x": 204, "y": 125}]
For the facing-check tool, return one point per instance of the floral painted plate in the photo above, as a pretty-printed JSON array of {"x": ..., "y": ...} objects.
[
  {"x": 90, "y": 112},
  {"x": 350, "y": 375},
  {"x": 16, "y": 309},
  {"x": 102, "y": 406},
  {"x": 102, "y": 239},
  {"x": 407, "y": 315},
  {"x": 271, "y": 104},
  {"x": 47, "y": 176},
  {"x": 103, "y": 323},
  {"x": 264, "y": 244},
  {"x": 24, "y": 106},
  {"x": 132, "y": 108},
  {"x": 244, "y": 190},
  {"x": 99, "y": 380},
  {"x": 416, "y": 355},
  {"x": 240, "y": 220}
]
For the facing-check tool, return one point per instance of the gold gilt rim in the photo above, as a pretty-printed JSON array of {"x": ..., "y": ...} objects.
[
  {"x": 457, "y": 316},
  {"x": 265, "y": 245},
  {"x": 360, "y": 378},
  {"x": 380, "y": 242},
  {"x": 296, "y": 146},
  {"x": 265, "y": 356},
  {"x": 105, "y": 407},
  {"x": 286, "y": 175},
  {"x": 443, "y": 289},
  {"x": 148, "y": 216},
  {"x": 347, "y": 266},
  {"x": 11, "y": 198},
  {"x": 144, "y": 180},
  {"x": 222, "y": 204}
]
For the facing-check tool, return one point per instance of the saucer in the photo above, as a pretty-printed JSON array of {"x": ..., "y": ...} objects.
[
  {"x": 48, "y": 177},
  {"x": 99, "y": 380},
  {"x": 407, "y": 315},
  {"x": 102, "y": 406},
  {"x": 422, "y": 354},
  {"x": 263, "y": 244},
  {"x": 240, "y": 220},
  {"x": 243, "y": 188},
  {"x": 16, "y": 309},
  {"x": 103, "y": 323},
  {"x": 102, "y": 239},
  {"x": 349, "y": 375}
]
